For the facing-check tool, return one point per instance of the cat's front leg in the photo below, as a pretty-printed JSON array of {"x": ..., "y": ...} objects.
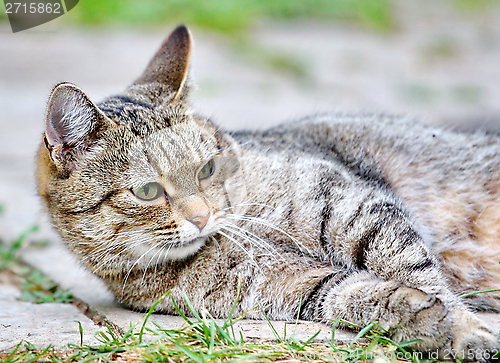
[
  {"x": 407, "y": 313},
  {"x": 399, "y": 284}
]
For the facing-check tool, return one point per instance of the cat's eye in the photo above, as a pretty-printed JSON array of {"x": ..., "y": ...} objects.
[
  {"x": 150, "y": 191},
  {"x": 207, "y": 170}
]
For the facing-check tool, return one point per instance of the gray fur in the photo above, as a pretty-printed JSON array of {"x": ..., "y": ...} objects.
[{"x": 359, "y": 217}]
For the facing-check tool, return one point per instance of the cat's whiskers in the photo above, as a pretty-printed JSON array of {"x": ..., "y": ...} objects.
[
  {"x": 71, "y": 233},
  {"x": 103, "y": 254},
  {"x": 104, "y": 250},
  {"x": 241, "y": 247},
  {"x": 164, "y": 257},
  {"x": 98, "y": 253},
  {"x": 243, "y": 236},
  {"x": 144, "y": 240},
  {"x": 204, "y": 144},
  {"x": 213, "y": 133},
  {"x": 248, "y": 205},
  {"x": 231, "y": 148},
  {"x": 163, "y": 248},
  {"x": 253, "y": 239},
  {"x": 150, "y": 260},
  {"x": 265, "y": 223},
  {"x": 216, "y": 243},
  {"x": 122, "y": 240},
  {"x": 132, "y": 267}
]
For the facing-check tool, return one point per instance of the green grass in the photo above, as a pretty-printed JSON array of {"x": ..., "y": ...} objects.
[
  {"x": 8, "y": 252},
  {"x": 227, "y": 16},
  {"x": 230, "y": 16},
  {"x": 204, "y": 339},
  {"x": 34, "y": 285}
]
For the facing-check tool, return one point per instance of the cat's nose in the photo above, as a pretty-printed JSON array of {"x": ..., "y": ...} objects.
[{"x": 199, "y": 221}]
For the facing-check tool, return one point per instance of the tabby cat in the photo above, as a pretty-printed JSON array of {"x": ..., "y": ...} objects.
[{"x": 354, "y": 216}]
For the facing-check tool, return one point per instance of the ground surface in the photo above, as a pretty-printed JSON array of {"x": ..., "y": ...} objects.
[{"x": 440, "y": 65}]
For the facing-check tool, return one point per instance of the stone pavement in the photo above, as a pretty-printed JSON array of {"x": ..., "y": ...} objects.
[
  {"x": 440, "y": 65},
  {"x": 41, "y": 324}
]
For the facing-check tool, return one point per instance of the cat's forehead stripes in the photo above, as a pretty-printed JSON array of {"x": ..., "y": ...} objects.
[
  {"x": 178, "y": 147},
  {"x": 130, "y": 101},
  {"x": 126, "y": 109},
  {"x": 154, "y": 162},
  {"x": 140, "y": 115}
]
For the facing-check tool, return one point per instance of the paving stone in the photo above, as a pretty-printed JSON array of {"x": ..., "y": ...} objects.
[
  {"x": 43, "y": 324},
  {"x": 40, "y": 324}
]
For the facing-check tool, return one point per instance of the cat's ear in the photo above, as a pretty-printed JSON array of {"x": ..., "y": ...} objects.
[
  {"x": 165, "y": 77},
  {"x": 72, "y": 123}
]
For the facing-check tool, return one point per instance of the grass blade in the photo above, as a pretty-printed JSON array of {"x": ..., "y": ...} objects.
[
  {"x": 16, "y": 245},
  {"x": 80, "y": 329},
  {"x": 191, "y": 308},
  {"x": 212, "y": 337},
  {"x": 478, "y": 292},
  {"x": 181, "y": 313},
  {"x": 229, "y": 320},
  {"x": 362, "y": 333},
  {"x": 188, "y": 352},
  {"x": 309, "y": 340},
  {"x": 278, "y": 338},
  {"x": 146, "y": 318}
]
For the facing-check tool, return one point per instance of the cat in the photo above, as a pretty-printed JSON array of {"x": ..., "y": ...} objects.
[{"x": 359, "y": 217}]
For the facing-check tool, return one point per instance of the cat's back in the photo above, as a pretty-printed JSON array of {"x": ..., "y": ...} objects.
[
  {"x": 444, "y": 177},
  {"x": 385, "y": 147}
]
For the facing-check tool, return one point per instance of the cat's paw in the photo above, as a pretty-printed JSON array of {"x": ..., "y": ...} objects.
[
  {"x": 423, "y": 317},
  {"x": 472, "y": 339},
  {"x": 443, "y": 334}
]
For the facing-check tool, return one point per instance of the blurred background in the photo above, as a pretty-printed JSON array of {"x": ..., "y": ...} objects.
[{"x": 256, "y": 63}]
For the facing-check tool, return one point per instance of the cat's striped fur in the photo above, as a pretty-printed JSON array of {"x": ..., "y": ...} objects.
[{"x": 360, "y": 217}]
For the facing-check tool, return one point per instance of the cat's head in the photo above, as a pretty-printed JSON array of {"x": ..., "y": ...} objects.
[{"x": 137, "y": 178}]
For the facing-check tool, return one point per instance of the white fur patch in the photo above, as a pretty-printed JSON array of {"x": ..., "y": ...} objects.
[{"x": 152, "y": 255}]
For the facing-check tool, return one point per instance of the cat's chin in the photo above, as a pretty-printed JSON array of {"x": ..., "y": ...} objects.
[
  {"x": 149, "y": 256},
  {"x": 182, "y": 252}
]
